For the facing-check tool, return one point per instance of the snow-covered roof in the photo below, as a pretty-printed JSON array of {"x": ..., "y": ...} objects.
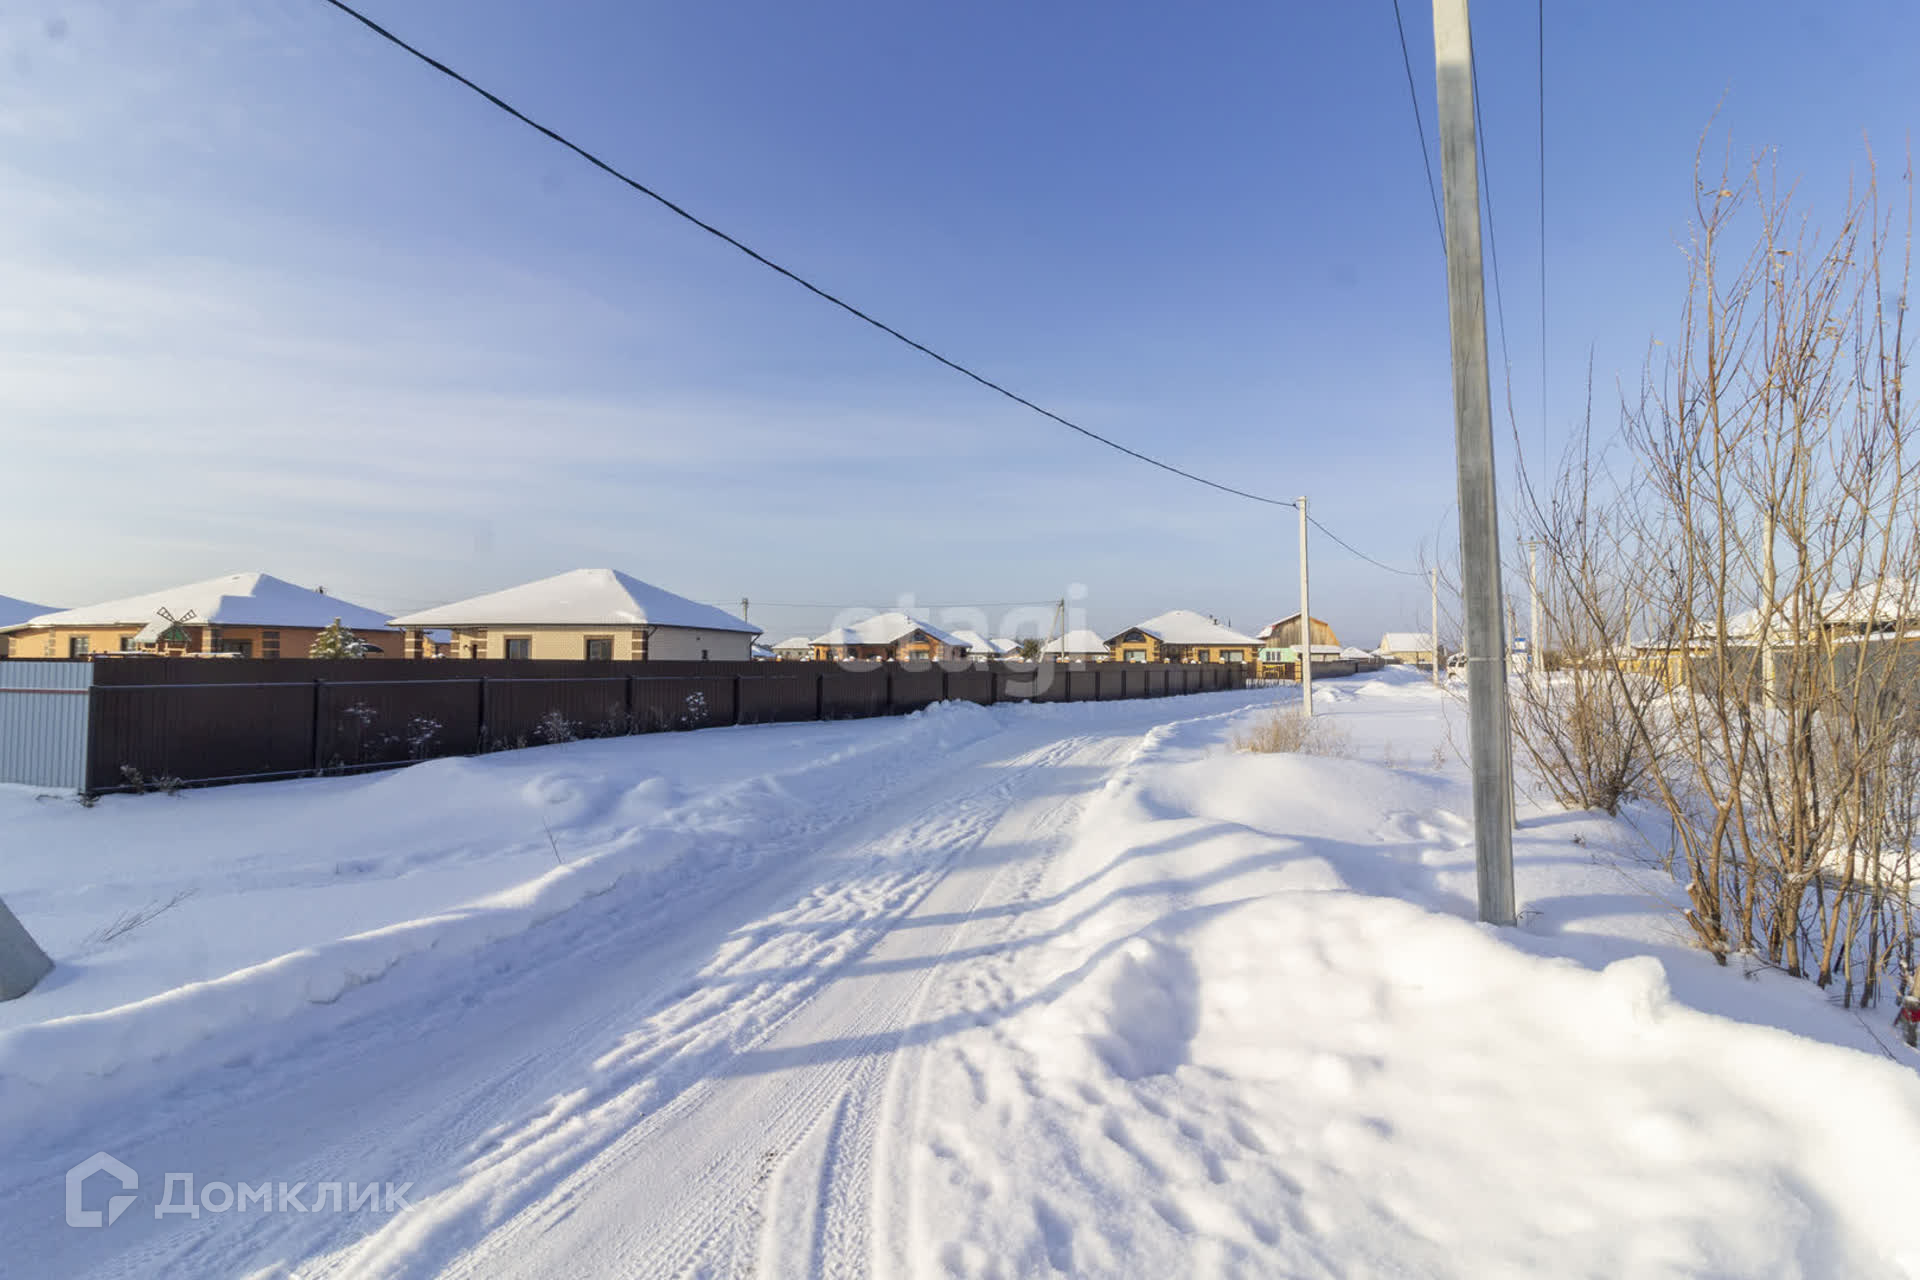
[
  {"x": 581, "y": 598},
  {"x": 1078, "y": 641},
  {"x": 794, "y": 642},
  {"x": 239, "y": 599},
  {"x": 14, "y": 611},
  {"x": 1351, "y": 652},
  {"x": 1185, "y": 627},
  {"x": 982, "y": 647},
  {"x": 885, "y": 628},
  {"x": 1405, "y": 642},
  {"x": 761, "y": 651}
]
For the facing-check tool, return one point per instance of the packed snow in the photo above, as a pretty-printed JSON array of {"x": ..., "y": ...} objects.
[{"x": 1012, "y": 991}]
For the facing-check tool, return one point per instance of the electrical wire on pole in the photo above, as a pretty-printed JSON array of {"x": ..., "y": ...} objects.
[{"x": 820, "y": 291}]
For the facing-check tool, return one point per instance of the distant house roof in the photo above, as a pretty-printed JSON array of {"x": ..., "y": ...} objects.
[
  {"x": 1078, "y": 641},
  {"x": 1185, "y": 627},
  {"x": 239, "y": 599},
  {"x": 792, "y": 643},
  {"x": 1351, "y": 652},
  {"x": 14, "y": 612},
  {"x": 1272, "y": 628},
  {"x": 581, "y": 597},
  {"x": 885, "y": 628},
  {"x": 1406, "y": 642},
  {"x": 1888, "y": 605},
  {"x": 761, "y": 651},
  {"x": 980, "y": 646}
]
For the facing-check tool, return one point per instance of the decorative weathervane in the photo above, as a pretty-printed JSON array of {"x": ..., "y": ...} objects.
[{"x": 176, "y": 632}]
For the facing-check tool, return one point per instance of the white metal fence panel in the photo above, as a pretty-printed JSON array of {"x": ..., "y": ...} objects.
[{"x": 43, "y": 723}]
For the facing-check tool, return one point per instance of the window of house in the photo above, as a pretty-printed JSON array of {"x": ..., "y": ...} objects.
[
  {"x": 1233, "y": 655},
  {"x": 1135, "y": 655},
  {"x": 79, "y": 646},
  {"x": 599, "y": 648},
  {"x": 243, "y": 648},
  {"x": 519, "y": 646},
  {"x": 269, "y": 644}
]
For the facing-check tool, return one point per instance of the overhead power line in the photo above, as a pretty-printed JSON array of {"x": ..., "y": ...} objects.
[
  {"x": 1413, "y": 95},
  {"x": 1540, "y": 77},
  {"x": 1340, "y": 541},
  {"x": 794, "y": 276},
  {"x": 854, "y": 311},
  {"x": 1493, "y": 239}
]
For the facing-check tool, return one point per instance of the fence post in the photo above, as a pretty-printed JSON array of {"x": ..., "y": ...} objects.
[
  {"x": 819, "y": 695},
  {"x": 626, "y": 693},
  {"x": 946, "y": 685},
  {"x": 737, "y": 709},
  {"x": 319, "y": 684},
  {"x": 480, "y": 726}
]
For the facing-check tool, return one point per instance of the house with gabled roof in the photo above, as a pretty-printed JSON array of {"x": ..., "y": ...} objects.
[
  {"x": 14, "y": 611},
  {"x": 889, "y": 637},
  {"x": 1078, "y": 645},
  {"x": 1181, "y": 635},
  {"x": 250, "y": 615},
  {"x": 1280, "y": 641},
  {"x": 593, "y": 614},
  {"x": 1406, "y": 646},
  {"x": 794, "y": 649},
  {"x": 983, "y": 649}
]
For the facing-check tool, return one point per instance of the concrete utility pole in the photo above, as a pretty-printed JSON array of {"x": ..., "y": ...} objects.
[
  {"x": 22, "y": 962},
  {"x": 743, "y": 608},
  {"x": 1433, "y": 639},
  {"x": 1306, "y": 622},
  {"x": 1473, "y": 450}
]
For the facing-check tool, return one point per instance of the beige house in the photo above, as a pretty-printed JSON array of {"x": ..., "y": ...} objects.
[
  {"x": 599, "y": 615},
  {"x": 1077, "y": 645},
  {"x": 13, "y": 612},
  {"x": 248, "y": 615},
  {"x": 794, "y": 649},
  {"x": 1406, "y": 646},
  {"x": 1181, "y": 635},
  {"x": 889, "y": 637}
]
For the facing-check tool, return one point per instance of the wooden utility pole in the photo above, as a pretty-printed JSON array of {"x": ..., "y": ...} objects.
[
  {"x": 1473, "y": 452},
  {"x": 1305, "y": 651}
]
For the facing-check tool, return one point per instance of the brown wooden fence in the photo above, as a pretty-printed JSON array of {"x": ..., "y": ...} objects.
[{"x": 157, "y": 721}]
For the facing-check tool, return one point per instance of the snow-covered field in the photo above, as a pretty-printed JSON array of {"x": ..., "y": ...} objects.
[{"x": 1004, "y": 991}]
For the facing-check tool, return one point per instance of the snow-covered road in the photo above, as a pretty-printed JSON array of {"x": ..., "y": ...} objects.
[
  {"x": 649, "y": 1084},
  {"x": 979, "y": 992}
]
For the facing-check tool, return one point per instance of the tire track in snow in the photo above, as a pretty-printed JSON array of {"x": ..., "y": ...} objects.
[{"x": 698, "y": 1209}]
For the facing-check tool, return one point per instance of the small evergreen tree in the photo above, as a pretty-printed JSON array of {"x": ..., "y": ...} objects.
[
  {"x": 337, "y": 642},
  {"x": 1029, "y": 648}
]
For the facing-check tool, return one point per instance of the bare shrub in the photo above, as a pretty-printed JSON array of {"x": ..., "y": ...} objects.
[
  {"x": 1285, "y": 730},
  {"x": 555, "y": 727},
  {"x": 1741, "y": 582}
]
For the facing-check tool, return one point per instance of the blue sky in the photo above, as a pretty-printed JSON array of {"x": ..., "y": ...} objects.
[{"x": 274, "y": 296}]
